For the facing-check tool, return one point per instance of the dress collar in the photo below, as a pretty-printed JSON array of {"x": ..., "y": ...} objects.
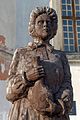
[{"x": 33, "y": 45}]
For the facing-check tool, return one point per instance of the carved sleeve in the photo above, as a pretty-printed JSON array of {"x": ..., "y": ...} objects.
[
  {"x": 65, "y": 92},
  {"x": 17, "y": 85}
]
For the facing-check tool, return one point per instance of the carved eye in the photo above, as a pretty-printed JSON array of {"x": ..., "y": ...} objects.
[{"x": 40, "y": 22}]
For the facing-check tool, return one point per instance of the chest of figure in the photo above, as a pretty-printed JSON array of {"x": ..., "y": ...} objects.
[
  {"x": 50, "y": 61},
  {"x": 53, "y": 68}
]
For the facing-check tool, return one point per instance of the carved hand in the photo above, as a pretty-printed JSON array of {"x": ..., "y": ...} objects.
[
  {"x": 35, "y": 73},
  {"x": 55, "y": 108}
]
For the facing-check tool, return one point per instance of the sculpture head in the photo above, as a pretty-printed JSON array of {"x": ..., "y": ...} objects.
[{"x": 43, "y": 23}]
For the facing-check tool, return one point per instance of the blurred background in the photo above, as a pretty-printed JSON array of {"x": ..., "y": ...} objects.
[{"x": 14, "y": 19}]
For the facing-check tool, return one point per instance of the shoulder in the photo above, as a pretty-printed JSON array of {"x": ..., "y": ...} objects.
[
  {"x": 21, "y": 50},
  {"x": 61, "y": 54}
]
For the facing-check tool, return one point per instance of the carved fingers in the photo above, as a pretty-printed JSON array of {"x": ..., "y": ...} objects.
[{"x": 35, "y": 73}]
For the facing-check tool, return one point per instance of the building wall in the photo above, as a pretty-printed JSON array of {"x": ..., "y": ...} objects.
[
  {"x": 4, "y": 104},
  {"x": 58, "y": 39},
  {"x": 8, "y": 22},
  {"x": 75, "y": 70},
  {"x": 5, "y": 60}
]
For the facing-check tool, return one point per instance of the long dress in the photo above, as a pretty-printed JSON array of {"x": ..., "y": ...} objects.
[{"x": 29, "y": 98}]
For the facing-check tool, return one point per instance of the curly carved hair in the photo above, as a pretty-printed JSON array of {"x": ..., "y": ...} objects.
[{"x": 38, "y": 11}]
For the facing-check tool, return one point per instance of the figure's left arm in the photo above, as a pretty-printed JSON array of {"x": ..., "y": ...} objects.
[{"x": 65, "y": 93}]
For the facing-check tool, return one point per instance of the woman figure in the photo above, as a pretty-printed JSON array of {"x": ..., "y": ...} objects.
[{"x": 39, "y": 82}]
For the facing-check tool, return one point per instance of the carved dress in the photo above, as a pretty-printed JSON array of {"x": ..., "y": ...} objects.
[{"x": 30, "y": 100}]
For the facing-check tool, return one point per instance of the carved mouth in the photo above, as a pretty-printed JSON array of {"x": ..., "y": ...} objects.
[{"x": 45, "y": 29}]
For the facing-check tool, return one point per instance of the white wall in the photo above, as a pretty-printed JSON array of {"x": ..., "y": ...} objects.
[{"x": 75, "y": 70}]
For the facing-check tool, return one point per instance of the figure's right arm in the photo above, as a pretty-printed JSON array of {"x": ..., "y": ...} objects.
[{"x": 17, "y": 85}]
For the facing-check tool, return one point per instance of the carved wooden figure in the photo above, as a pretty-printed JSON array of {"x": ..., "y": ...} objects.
[{"x": 39, "y": 82}]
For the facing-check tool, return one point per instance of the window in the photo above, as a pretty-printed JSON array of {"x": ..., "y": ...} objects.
[{"x": 71, "y": 25}]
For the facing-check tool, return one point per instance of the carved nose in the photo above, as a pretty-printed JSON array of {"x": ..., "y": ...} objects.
[{"x": 45, "y": 24}]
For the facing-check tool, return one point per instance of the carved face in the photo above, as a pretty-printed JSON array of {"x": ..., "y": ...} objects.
[{"x": 43, "y": 26}]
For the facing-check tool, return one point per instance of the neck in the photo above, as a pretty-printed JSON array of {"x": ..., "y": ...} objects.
[{"x": 41, "y": 41}]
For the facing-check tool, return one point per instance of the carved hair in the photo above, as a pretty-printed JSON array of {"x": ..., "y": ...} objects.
[{"x": 38, "y": 11}]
